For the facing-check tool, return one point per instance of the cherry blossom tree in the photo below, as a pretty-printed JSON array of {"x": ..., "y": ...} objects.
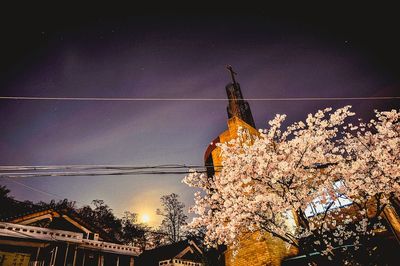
[{"x": 299, "y": 183}]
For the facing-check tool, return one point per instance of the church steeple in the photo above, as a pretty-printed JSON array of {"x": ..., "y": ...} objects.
[
  {"x": 237, "y": 105},
  {"x": 233, "y": 73}
]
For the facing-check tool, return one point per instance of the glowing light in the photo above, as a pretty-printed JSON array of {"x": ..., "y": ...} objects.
[{"x": 145, "y": 218}]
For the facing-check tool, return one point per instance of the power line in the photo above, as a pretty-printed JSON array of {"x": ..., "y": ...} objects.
[
  {"x": 61, "y": 197},
  {"x": 43, "y": 192},
  {"x": 98, "y": 166},
  {"x": 11, "y": 172},
  {"x": 99, "y": 170},
  {"x": 59, "y": 174},
  {"x": 20, "y": 171},
  {"x": 39, "y": 98},
  {"x": 35, "y": 189}
]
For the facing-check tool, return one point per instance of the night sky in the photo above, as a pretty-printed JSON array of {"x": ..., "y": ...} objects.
[{"x": 343, "y": 52}]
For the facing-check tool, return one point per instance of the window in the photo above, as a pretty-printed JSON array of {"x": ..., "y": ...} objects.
[{"x": 317, "y": 206}]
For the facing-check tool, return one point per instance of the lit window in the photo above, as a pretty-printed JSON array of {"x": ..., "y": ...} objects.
[{"x": 317, "y": 206}]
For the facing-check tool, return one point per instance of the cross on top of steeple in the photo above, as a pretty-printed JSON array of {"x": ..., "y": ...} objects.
[
  {"x": 237, "y": 106},
  {"x": 233, "y": 73}
]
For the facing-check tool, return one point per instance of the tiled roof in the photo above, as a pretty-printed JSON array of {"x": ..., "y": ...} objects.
[{"x": 150, "y": 257}]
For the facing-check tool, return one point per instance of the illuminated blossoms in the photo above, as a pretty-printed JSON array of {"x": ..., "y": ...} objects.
[{"x": 317, "y": 184}]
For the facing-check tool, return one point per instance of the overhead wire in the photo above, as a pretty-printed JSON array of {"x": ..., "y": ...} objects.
[
  {"x": 54, "y": 174},
  {"x": 35, "y": 189},
  {"x": 100, "y": 166},
  {"x": 20, "y": 171},
  {"x": 98, "y": 170},
  {"x": 194, "y": 99},
  {"x": 47, "y": 193},
  {"x": 87, "y": 170}
]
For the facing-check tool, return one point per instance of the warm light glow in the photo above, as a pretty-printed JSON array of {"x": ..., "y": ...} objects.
[{"x": 145, "y": 218}]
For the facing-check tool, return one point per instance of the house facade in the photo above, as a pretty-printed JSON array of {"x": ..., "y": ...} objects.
[
  {"x": 182, "y": 253},
  {"x": 53, "y": 236}
]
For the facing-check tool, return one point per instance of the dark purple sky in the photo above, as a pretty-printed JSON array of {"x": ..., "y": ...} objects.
[{"x": 178, "y": 55}]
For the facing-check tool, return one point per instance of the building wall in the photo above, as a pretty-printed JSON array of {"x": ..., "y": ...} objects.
[
  {"x": 255, "y": 249},
  {"x": 259, "y": 249},
  {"x": 234, "y": 124},
  {"x": 13, "y": 258}
]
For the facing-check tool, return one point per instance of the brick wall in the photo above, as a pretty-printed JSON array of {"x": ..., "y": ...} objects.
[{"x": 259, "y": 249}]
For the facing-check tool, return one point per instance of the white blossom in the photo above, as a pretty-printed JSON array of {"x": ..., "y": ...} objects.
[{"x": 265, "y": 178}]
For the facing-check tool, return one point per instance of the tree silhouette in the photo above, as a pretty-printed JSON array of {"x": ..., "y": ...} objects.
[{"x": 174, "y": 217}]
